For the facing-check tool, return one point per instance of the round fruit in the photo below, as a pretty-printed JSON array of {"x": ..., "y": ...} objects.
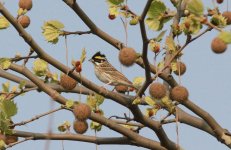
[
  {"x": 127, "y": 56},
  {"x": 24, "y": 21},
  {"x": 157, "y": 90},
  {"x": 80, "y": 126},
  {"x": 121, "y": 88},
  {"x": 220, "y": 1},
  {"x": 179, "y": 93},
  {"x": 78, "y": 69},
  {"x": 227, "y": 15},
  {"x": 82, "y": 111},
  {"x": 218, "y": 46},
  {"x": 112, "y": 17},
  {"x": 180, "y": 68},
  {"x": 11, "y": 139},
  {"x": 67, "y": 82},
  {"x": 25, "y": 4}
]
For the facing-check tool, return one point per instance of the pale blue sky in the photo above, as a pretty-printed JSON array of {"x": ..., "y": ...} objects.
[{"x": 207, "y": 77}]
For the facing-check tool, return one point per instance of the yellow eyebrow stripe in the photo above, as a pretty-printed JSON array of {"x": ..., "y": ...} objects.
[{"x": 99, "y": 57}]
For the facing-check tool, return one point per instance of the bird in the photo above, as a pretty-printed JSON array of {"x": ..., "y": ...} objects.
[{"x": 108, "y": 74}]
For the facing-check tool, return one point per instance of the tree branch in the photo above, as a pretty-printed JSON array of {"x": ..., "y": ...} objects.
[
  {"x": 109, "y": 123},
  {"x": 36, "y": 117},
  {"x": 75, "y": 137},
  {"x": 145, "y": 50}
]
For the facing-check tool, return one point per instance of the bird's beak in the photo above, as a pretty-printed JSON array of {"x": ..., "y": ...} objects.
[{"x": 91, "y": 60}]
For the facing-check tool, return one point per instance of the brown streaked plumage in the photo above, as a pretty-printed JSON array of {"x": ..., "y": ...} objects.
[{"x": 106, "y": 73}]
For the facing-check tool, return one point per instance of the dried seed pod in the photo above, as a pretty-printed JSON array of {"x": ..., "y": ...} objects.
[
  {"x": 157, "y": 90},
  {"x": 179, "y": 93}
]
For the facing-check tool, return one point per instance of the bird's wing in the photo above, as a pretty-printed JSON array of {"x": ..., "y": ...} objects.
[{"x": 114, "y": 74}]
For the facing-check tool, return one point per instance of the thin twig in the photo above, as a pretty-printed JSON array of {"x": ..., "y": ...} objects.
[
  {"x": 36, "y": 117},
  {"x": 18, "y": 142},
  {"x": 16, "y": 59},
  {"x": 65, "y": 33}
]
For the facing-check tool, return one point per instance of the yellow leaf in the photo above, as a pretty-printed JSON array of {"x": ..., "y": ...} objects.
[
  {"x": 52, "y": 30},
  {"x": 69, "y": 103},
  {"x": 2, "y": 144},
  {"x": 83, "y": 56},
  {"x": 170, "y": 44},
  {"x": 138, "y": 81},
  {"x": 136, "y": 101},
  {"x": 113, "y": 10},
  {"x": 5, "y": 63},
  {"x": 95, "y": 126},
  {"x": 55, "y": 77},
  {"x": 40, "y": 67},
  {"x": 149, "y": 101},
  {"x": 6, "y": 87},
  {"x": 14, "y": 88},
  {"x": 91, "y": 101},
  {"x": 166, "y": 100},
  {"x": 4, "y": 23},
  {"x": 174, "y": 66},
  {"x": 160, "y": 65}
]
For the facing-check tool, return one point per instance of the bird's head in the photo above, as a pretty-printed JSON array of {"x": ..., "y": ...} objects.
[{"x": 98, "y": 58}]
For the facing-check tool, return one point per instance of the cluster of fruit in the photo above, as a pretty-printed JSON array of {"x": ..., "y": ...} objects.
[
  {"x": 82, "y": 112},
  {"x": 24, "y": 6},
  {"x": 159, "y": 91},
  {"x": 219, "y": 46}
]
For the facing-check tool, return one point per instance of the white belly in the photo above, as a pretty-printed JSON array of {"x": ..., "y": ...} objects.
[{"x": 101, "y": 77}]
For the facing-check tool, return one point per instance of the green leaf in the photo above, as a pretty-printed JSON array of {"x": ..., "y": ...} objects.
[
  {"x": 153, "y": 24},
  {"x": 225, "y": 36},
  {"x": 64, "y": 127},
  {"x": 6, "y": 87},
  {"x": 218, "y": 20},
  {"x": 155, "y": 20},
  {"x": 21, "y": 11},
  {"x": 170, "y": 44},
  {"x": 149, "y": 101},
  {"x": 5, "y": 63},
  {"x": 160, "y": 36},
  {"x": 195, "y": 7},
  {"x": 40, "y": 67},
  {"x": 168, "y": 104},
  {"x": 156, "y": 9},
  {"x": 174, "y": 66},
  {"x": 114, "y": 2},
  {"x": 4, "y": 124},
  {"x": 191, "y": 24},
  {"x": 83, "y": 55},
  {"x": 91, "y": 101},
  {"x": 113, "y": 10},
  {"x": 9, "y": 108},
  {"x": 4, "y": 23},
  {"x": 52, "y": 30},
  {"x": 95, "y": 126},
  {"x": 99, "y": 99},
  {"x": 22, "y": 84},
  {"x": 55, "y": 23}
]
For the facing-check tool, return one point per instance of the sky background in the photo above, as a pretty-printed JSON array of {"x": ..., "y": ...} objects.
[{"x": 207, "y": 77}]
